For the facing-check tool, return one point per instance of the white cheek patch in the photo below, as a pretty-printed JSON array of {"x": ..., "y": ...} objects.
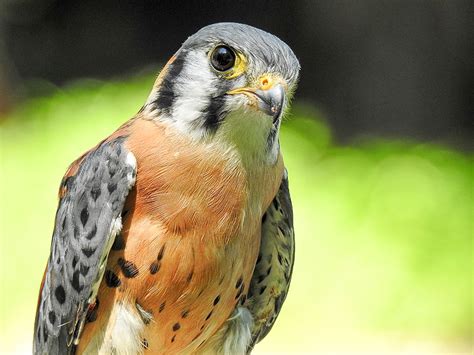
[{"x": 195, "y": 86}]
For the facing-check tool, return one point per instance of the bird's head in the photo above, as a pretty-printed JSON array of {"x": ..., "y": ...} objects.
[{"x": 229, "y": 82}]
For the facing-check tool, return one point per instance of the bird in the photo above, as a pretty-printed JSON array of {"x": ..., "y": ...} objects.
[{"x": 174, "y": 235}]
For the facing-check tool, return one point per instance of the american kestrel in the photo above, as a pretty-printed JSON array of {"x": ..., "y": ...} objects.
[{"x": 175, "y": 233}]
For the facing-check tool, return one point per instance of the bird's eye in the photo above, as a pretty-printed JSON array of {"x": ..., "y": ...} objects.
[{"x": 222, "y": 58}]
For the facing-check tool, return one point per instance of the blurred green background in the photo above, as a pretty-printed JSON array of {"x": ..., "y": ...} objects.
[{"x": 384, "y": 228}]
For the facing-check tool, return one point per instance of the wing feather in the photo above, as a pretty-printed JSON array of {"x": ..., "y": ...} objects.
[
  {"x": 88, "y": 218},
  {"x": 272, "y": 274}
]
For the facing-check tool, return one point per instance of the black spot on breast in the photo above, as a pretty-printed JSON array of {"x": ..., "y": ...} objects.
[
  {"x": 145, "y": 343},
  {"x": 190, "y": 276},
  {"x": 262, "y": 289},
  {"x": 239, "y": 282},
  {"x": 243, "y": 299},
  {"x": 216, "y": 300},
  {"x": 75, "y": 281},
  {"x": 74, "y": 262},
  {"x": 209, "y": 315},
  {"x": 95, "y": 193},
  {"x": 269, "y": 270},
  {"x": 202, "y": 327},
  {"x": 119, "y": 243},
  {"x": 161, "y": 253},
  {"x": 60, "y": 294},
  {"x": 176, "y": 327},
  {"x": 52, "y": 317},
  {"x": 162, "y": 307},
  {"x": 111, "y": 279},
  {"x": 91, "y": 315},
  {"x": 129, "y": 269},
  {"x": 173, "y": 338},
  {"x": 88, "y": 251},
  {"x": 92, "y": 232},
  {"x": 84, "y": 216},
  {"x": 185, "y": 313},
  {"x": 154, "y": 267}
]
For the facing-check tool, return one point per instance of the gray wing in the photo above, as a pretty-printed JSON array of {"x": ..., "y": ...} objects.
[
  {"x": 272, "y": 274},
  {"x": 87, "y": 220}
]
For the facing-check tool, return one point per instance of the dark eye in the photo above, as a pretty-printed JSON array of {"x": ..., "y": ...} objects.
[{"x": 222, "y": 58}]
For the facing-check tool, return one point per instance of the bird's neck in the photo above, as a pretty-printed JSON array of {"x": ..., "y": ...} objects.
[{"x": 248, "y": 134}]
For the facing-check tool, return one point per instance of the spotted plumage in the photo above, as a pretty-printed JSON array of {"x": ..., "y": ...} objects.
[{"x": 175, "y": 233}]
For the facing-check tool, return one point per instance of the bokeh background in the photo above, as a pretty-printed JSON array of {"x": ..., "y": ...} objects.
[{"x": 378, "y": 147}]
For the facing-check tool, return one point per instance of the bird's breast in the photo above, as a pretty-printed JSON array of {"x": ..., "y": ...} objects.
[{"x": 190, "y": 239}]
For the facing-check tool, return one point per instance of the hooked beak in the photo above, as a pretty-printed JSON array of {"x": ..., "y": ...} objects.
[{"x": 270, "y": 101}]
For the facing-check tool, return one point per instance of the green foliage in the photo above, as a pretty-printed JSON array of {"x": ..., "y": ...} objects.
[{"x": 383, "y": 228}]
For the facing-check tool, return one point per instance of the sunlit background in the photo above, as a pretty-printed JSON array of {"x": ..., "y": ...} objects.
[{"x": 378, "y": 148}]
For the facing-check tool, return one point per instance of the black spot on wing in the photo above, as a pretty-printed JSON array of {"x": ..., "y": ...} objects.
[
  {"x": 45, "y": 334},
  {"x": 84, "y": 216},
  {"x": 76, "y": 281},
  {"x": 52, "y": 317},
  {"x": 91, "y": 234},
  {"x": 60, "y": 294},
  {"x": 95, "y": 193},
  {"x": 111, "y": 187},
  {"x": 88, "y": 251}
]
